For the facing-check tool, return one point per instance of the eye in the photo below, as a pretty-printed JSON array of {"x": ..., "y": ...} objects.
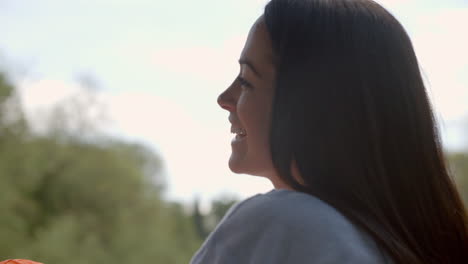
[{"x": 243, "y": 82}]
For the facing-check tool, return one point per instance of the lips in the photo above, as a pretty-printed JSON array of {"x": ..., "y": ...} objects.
[
  {"x": 240, "y": 135},
  {"x": 238, "y": 139},
  {"x": 238, "y": 131}
]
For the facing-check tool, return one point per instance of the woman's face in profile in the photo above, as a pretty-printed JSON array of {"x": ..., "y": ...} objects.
[{"x": 248, "y": 100}]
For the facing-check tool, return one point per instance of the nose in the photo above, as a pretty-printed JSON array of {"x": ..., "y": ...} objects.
[{"x": 226, "y": 100}]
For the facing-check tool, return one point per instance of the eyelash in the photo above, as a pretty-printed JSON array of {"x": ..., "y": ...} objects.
[{"x": 243, "y": 82}]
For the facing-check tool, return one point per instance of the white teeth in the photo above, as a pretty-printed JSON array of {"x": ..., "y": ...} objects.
[{"x": 238, "y": 131}]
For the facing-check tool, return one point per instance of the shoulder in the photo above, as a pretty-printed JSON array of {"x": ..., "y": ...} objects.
[
  {"x": 284, "y": 226},
  {"x": 308, "y": 225},
  {"x": 290, "y": 207},
  {"x": 299, "y": 211}
]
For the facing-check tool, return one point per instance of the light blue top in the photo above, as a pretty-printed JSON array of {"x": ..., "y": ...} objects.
[{"x": 284, "y": 226}]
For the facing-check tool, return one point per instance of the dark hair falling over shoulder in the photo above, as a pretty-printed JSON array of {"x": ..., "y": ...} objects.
[{"x": 351, "y": 109}]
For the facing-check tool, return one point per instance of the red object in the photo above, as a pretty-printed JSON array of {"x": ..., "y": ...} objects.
[{"x": 19, "y": 261}]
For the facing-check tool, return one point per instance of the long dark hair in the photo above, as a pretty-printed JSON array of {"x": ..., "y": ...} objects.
[{"x": 351, "y": 109}]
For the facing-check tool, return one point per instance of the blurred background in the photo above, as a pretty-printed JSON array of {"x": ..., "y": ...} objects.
[{"x": 112, "y": 146}]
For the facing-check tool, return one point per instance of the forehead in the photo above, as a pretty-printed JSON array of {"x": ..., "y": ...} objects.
[{"x": 258, "y": 48}]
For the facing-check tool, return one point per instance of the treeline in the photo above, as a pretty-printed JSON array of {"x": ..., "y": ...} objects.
[{"x": 81, "y": 200}]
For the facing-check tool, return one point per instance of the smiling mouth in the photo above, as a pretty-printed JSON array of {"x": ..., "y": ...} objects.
[{"x": 240, "y": 134}]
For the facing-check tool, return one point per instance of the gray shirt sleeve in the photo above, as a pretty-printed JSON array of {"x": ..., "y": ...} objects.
[{"x": 285, "y": 226}]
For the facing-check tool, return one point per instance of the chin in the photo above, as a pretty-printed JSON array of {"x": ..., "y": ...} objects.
[
  {"x": 238, "y": 168},
  {"x": 235, "y": 167},
  {"x": 243, "y": 166}
]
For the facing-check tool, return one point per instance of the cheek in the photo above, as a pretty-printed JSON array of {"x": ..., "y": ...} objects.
[
  {"x": 246, "y": 111},
  {"x": 258, "y": 146},
  {"x": 254, "y": 110},
  {"x": 262, "y": 135},
  {"x": 256, "y": 120}
]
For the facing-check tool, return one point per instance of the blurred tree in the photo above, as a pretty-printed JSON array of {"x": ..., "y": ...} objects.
[
  {"x": 219, "y": 207},
  {"x": 12, "y": 122},
  {"x": 12, "y": 139},
  {"x": 199, "y": 220},
  {"x": 458, "y": 164},
  {"x": 66, "y": 199}
]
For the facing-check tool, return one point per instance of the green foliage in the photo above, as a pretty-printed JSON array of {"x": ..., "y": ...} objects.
[
  {"x": 219, "y": 207},
  {"x": 12, "y": 123},
  {"x": 458, "y": 163},
  {"x": 199, "y": 220},
  {"x": 6, "y": 89},
  {"x": 66, "y": 200}
]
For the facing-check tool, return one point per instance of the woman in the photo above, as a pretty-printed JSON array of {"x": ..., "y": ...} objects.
[{"x": 330, "y": 106}]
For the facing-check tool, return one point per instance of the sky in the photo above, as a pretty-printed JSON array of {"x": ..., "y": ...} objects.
[{"x": 156, "y": 68}]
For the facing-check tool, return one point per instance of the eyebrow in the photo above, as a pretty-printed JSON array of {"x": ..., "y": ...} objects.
[{"x": 251, "y": 66}]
